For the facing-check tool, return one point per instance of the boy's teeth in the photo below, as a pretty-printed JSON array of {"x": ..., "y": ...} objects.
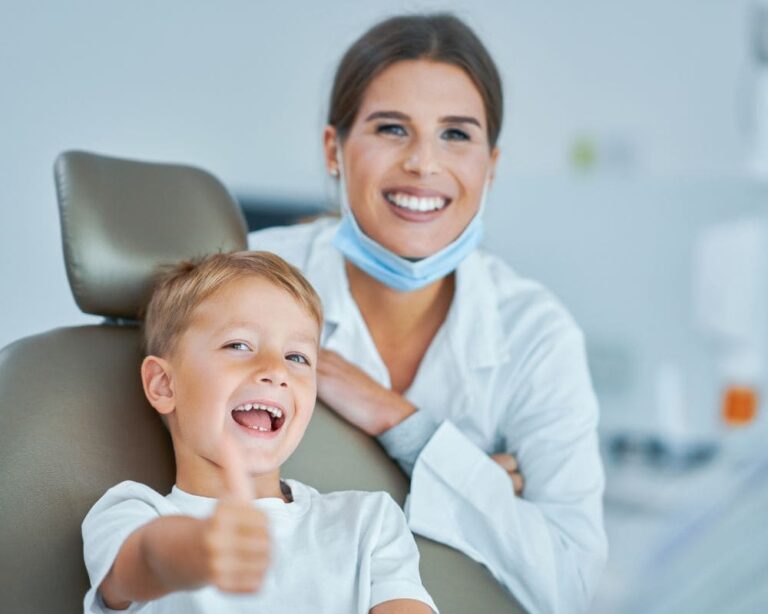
[
  {"x": 416, "y": 204},
  {"x": 274, "y": 411}
]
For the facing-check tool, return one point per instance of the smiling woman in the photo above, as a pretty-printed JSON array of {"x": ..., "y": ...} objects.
[
  {"x": 415, "y": 179},
  {"x": 473, "y": 379}
]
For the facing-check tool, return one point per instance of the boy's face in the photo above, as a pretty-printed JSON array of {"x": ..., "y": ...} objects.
[{"x": 245, "y": 365}]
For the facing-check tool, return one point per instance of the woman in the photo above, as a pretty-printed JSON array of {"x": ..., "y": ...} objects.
[{"x": 461, "y": 368}]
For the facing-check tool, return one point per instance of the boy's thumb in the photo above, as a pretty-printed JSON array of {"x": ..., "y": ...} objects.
[{"x": 232, "y": 455}]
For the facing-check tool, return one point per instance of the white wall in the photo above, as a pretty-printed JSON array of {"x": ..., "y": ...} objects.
[{"x": 239, "y": 87}]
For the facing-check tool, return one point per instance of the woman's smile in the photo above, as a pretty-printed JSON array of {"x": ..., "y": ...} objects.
[{"x": 416, "y": 204}]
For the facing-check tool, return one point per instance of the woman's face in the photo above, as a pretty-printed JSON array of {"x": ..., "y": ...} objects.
[{"x": 417, "y": 156}]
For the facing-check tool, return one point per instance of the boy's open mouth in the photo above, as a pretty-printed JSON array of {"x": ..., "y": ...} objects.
[{"x": 259, "y": 417}]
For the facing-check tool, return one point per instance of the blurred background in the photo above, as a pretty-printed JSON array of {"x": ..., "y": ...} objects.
[{"x": 633, "y": 182}]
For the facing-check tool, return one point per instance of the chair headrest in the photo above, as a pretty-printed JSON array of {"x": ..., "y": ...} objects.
[{"x": 121, "y": 219}]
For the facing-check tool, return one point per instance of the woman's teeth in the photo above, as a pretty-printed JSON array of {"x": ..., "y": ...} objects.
[{"x": 414, "y": 203}]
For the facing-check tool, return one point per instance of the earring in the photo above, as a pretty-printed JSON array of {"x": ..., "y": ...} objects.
[{"x": 334, "y": 172}]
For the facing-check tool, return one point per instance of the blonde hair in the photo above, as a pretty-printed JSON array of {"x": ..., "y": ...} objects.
[{"x": 180, "y": 288}]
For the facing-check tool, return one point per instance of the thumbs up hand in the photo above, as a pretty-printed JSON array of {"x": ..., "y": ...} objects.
[{"x": 236, "y": 538}]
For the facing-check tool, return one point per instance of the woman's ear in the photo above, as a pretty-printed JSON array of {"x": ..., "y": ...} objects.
[
  {"x": 157, "y": 380},
  {"x": 495, "y": 153},
  {"x": 331, "y": 149}
]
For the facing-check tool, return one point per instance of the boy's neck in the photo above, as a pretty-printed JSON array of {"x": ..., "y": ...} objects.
[{"x": 202, "y": 477}]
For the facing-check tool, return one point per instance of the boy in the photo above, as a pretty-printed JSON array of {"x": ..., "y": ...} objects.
[{"x": 232, "y": 344}]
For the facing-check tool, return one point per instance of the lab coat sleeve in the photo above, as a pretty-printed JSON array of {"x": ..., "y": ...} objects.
[
  {"x": 405, "y": 441},
  {"x": 548, "y": 547}
]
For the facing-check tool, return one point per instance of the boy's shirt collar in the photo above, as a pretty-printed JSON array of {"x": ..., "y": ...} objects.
[{"x": 202, "y": 507}]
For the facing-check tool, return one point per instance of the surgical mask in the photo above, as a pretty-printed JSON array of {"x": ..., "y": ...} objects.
[{"x": 388, "y": 267}]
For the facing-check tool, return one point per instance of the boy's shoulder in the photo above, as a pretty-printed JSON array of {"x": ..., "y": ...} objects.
[
  {"x": 132, "y": 498},
  {"x": 348, "y": 504}
]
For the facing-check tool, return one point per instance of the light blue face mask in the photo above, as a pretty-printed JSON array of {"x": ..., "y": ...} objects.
[{"x": 391, "y": 269}]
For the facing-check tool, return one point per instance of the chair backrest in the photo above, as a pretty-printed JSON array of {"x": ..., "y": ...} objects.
[{"x": 73, "y": 417}]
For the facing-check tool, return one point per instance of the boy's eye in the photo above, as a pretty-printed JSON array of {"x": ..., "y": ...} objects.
[
  {"x": 299, "y": 358},
  {"x": 238, "y": 345},
  {"x": 393, "y": 129},
  {"x": 454, "y": 134}
]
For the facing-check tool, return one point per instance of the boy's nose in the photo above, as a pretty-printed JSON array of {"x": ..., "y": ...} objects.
[{"x": 271, "y": 370}]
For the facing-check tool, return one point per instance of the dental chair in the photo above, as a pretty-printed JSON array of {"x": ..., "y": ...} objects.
[{"x": 73, "y": 417}]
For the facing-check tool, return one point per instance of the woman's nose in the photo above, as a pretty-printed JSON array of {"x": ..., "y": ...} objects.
[
  {"x": 270, "y": 369},
  {"x": 421, "y": 158}
]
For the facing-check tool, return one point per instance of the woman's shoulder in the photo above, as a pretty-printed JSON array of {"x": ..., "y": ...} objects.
[
  {"x": 293, "y": 243},
  {"x": 523, "y": 302}
]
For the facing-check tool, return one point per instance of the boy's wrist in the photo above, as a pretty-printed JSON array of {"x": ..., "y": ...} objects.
[{"x": 175, "y": 554}]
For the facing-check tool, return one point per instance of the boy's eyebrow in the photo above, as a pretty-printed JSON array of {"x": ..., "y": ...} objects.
[
  {"x": 301, "y": 337},
  {"x": 447, "y": 119},
  {"x": 312, "y": 339}
]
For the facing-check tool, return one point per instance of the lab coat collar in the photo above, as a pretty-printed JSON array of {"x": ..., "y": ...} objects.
[
  {"x": 474, "y": 322},
  {"x": 474, "y": 328},
  {"x": 325, "y": 269}
]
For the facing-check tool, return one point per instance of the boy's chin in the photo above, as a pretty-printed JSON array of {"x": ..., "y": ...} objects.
[{"x": 259, "y": 465}]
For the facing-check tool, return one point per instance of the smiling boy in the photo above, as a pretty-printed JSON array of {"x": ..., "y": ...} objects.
[{"x": 232, "y": 344}]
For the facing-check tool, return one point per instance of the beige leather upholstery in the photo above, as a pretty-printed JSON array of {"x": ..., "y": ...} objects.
[
  {"x": 74, "y": 422},
  {"x": 120, "y": 218},
  {"x": 73, "y": 419}
]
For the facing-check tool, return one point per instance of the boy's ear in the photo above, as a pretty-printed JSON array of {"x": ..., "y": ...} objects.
[{"x": 158, "y": 384}]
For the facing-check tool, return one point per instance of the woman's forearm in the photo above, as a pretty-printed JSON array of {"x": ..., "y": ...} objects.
[
  {"x": 405, "y": 441},
  {"x": 548, "y": 551}
]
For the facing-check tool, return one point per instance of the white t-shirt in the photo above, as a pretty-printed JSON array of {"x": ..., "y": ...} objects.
[{"x": 338, "y": 552}]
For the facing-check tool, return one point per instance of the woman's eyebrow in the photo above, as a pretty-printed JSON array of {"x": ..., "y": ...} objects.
[
  {"x": 448, "y": 119},
  {"x": 387, "y": 115},
  {"x": 460, "y": 119}
]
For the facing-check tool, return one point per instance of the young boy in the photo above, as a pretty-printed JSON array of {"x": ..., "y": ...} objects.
[{"x": 232, "y": 344}]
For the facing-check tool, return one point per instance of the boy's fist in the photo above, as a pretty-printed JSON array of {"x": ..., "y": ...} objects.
[{"x": 236, "y": 542}]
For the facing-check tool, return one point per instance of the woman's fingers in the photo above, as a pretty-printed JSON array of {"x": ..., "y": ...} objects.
[
  {"x": 507, "y": 461},
  {"x": 330, "y": 362},
  {"x": 517, "y": 482},
  {"x": 509, "y": 464}
]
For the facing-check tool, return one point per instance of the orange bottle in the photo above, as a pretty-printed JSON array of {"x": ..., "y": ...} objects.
[{"x": 739, "y": 405}]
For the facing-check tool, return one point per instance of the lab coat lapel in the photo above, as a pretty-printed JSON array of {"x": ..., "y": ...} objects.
[
  {"x": 474, "y": 322},
  {"x": 344, "y": 330}
]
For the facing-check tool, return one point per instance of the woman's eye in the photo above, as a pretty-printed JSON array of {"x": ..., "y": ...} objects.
[
  {"x": 394, "y": 129},
  {"x": 454, "y": 134},
  {"x": 299, "y": 358},
  {"x": 238, "y": 345}
]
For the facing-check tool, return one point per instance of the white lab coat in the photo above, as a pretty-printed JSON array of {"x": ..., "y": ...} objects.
[{"x": 506, "y": 372}]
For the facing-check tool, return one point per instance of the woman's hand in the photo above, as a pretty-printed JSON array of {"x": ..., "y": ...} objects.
[
  {"x": 509, "y": 464},
  {"x": 356, "y": 397}
]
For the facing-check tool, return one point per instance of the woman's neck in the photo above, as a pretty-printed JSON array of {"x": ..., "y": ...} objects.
[
  {"x": 395, "y": 310},
  {"x": 402, "y": 324}
]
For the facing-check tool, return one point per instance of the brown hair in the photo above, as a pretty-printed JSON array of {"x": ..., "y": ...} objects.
[
  {"x": 439, "y": 37},
  {"x": 180, "y": 288}
]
